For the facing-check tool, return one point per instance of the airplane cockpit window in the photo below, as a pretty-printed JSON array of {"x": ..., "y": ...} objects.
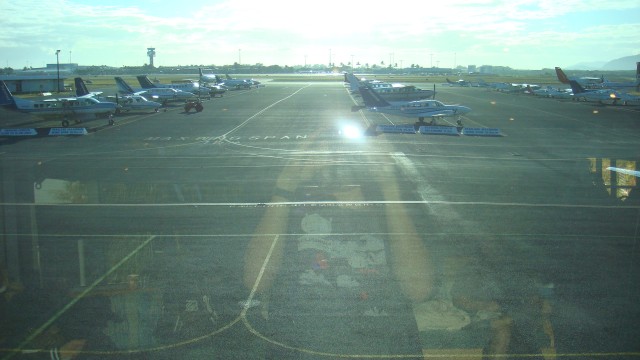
[{"x": 374, "y": 189}]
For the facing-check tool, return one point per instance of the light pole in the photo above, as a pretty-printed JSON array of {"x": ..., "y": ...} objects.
[{"x": 58, "y": 68}]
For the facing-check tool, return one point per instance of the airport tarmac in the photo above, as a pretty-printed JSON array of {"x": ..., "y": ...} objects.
[{"x": 176, "y": 234}]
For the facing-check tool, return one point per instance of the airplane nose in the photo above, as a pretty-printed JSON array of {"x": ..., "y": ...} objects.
[{"x": 464, "y": 109}]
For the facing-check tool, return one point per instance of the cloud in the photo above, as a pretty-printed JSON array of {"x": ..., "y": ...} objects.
[{"x": 283, "y": 31}]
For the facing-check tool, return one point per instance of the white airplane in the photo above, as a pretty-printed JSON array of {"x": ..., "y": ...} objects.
[
  {"x": 64, "y": 108},
  {"x": 460, "y": 82},
  {"x": 190, "y": 86},
  {"x": 163, "y": 95},
  {"x": 552, "y": 92},
  {"x": 211, "y": 81},
  {"x": 599, "y": 95},
  {"x": 251, "y": 81},
  {"x": 135, "y": 103},
  {"x": 208, "y": 78},
  {"x": 390, "y": 92},
  {"x": 420, "y": 109},
  {"x": 498, "y": 86},
  {"x": 126, "y": 102},
  {"x": 236, "y": 84}
]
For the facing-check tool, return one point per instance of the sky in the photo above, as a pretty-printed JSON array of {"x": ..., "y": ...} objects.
[{"x": 521, "y": 34}]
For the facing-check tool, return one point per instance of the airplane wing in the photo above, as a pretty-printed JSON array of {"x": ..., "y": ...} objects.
[{"x": 443, "y": 113}]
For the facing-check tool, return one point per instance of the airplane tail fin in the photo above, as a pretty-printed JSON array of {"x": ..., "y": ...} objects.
[
  {"x": 449, "y": 81},
  {"x": 81, "y": 87},
  {"x": 228, "y": 77},
  {"x": 354, "y": 83},
  {"x": 5, "y": 95},
  {"x": 145, "y": 82},
  {"x": 577, "y": 88},
  {"x": 371, "y": 99},
  {"x": 562, "y": 76},
  {"x": 123, "y": 87}
]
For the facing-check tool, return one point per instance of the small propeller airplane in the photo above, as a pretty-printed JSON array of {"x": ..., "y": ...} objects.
[
  {"x": 211, "y": 81},
  {"x": 77, "y": 108},
  {"x": 163, "y": 95},
  {"x": 552, "y": 92},
  {"x": 235, "y": 84},
  {"x": 188, "y": 86},
  {"x": 126, "y": 102},
  {"x": 459, "y": 82},
  {"x": 420, "y": 109},
  {"x": 390, "y": 92},
  {"x": 599, "y": 95}
]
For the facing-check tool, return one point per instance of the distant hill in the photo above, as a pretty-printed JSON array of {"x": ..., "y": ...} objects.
[
  {"x": 623, "y": 63},
  {"x": 593, "y": 65}
]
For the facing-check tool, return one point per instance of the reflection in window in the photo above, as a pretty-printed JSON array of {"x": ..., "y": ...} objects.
[{"x": 617, "y": 184}]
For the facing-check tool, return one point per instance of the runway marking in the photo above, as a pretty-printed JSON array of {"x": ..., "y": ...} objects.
[
  {"x": 254, "y": 289},
  {"x": 241, "y": 125}
]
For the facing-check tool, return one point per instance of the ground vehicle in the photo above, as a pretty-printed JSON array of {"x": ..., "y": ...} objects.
[{"x": 194, "y": 104}]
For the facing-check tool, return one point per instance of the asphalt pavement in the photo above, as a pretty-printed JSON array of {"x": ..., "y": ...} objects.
[{"x": 168, "y": 234}]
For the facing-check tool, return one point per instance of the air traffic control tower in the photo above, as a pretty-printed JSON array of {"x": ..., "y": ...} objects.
[{"x": 151, "y": 53}]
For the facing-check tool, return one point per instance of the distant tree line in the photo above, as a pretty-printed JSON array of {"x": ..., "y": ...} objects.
[{"x": 381, "y": 68}]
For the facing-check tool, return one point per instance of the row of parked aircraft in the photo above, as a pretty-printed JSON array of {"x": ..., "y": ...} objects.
[
  {"x": 227, "y": 82},
  {"x": 587, "y": 89},
  {"x": 409, "y": 101},
  {"x": 581, "y": 88},
  {"x": 403, "y": 100},
  {"x": 150, "y": 97}
]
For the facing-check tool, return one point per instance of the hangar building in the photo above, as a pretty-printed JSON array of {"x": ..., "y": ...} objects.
[{"x": 21, "y": 84}]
